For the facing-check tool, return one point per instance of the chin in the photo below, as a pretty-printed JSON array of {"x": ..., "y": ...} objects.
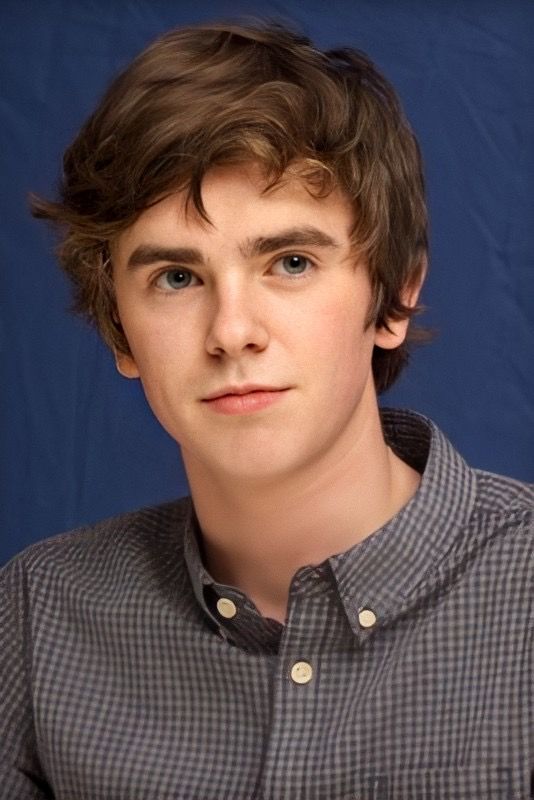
[{"x": 257, "y": 464}]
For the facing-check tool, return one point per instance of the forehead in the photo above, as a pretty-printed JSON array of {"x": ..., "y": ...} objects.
[{"x": 239, "y": 203}]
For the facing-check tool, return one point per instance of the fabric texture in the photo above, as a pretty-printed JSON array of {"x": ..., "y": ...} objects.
[{"x": 121, "y": 680}]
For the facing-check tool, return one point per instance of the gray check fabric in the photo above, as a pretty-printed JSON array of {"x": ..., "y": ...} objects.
[{"x": 120, "y": 679}]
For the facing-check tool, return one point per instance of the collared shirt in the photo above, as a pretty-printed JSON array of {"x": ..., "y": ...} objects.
[{"x": 403, "y": 670}]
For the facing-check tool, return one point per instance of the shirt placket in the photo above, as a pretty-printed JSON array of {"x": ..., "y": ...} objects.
[{"x": 298, "y": 685}]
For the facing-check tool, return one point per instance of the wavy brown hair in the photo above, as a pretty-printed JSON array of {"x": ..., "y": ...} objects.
[{"x": 231, "y": 93}]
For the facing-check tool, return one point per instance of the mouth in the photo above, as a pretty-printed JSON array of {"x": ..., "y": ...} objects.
[
  {"x": 245, "y": 402},
  {"x": 242, "y": 390}
]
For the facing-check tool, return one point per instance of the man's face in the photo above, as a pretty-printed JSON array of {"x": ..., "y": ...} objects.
[{"x": 269, "y": 294}]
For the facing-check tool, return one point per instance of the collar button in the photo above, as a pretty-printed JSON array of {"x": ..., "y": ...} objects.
[
  {"x": 366, "y": 617},
  {"x": 226, "y": 607}
]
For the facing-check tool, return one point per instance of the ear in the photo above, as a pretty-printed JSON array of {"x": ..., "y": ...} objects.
[
  {"x": 124, "y": 362},
  {"x": 395, "y": 336},
  {"x": 126, "y": 365}
]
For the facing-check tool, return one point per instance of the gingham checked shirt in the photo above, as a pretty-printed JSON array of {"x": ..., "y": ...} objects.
[{"x": 404, "y": 670}]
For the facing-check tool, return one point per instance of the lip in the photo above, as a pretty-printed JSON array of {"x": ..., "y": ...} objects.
[
  {"x": 246, "y": 388},
  {"x": 245, "y": 403}
]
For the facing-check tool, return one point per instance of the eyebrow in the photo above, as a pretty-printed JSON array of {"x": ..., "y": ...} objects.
[
  {"x": 293, "y": 237},
  {"x": 309, "y": 236},
  {"x": 147, "y": 254}
]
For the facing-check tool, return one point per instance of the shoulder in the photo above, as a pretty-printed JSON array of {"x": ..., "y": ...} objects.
[
  {"x": 504, "y": 501},
  {"x": 501, "y": 528},
  {"x": 103, "y": 552}
]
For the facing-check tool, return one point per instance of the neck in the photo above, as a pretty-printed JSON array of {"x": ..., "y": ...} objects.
[{"x": 255, "y": 537}]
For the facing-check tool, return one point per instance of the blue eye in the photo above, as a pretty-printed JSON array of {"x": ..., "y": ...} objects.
[
  {"x": 295, "y": 264},
  {"x": 174, "y": 279}
]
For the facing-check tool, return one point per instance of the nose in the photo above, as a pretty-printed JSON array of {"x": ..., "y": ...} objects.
[{"x": 236, "y": 322}]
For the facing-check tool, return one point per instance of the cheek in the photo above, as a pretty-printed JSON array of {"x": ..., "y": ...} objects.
[
  {"x": 342, "y": 349},
  {"x": 156, "y": 344},
  {"x": 338, "y": 331}
]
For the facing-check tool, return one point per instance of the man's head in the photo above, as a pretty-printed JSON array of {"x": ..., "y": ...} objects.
[{"x": 218, "y": 95}]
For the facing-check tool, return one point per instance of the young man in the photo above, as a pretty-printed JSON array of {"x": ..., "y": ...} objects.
[{"x": 342, "y": 609}]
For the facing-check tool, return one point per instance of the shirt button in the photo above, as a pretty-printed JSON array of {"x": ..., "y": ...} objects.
[
  {"x": 366, "y": 617},
  {"x": 226, "y": 607},
  {"x": 301, "y": 672}
]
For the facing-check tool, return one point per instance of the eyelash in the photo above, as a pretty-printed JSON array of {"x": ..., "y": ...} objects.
[{"x": 292, "y": 277}]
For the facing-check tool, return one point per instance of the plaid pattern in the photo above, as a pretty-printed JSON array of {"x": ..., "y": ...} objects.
[{"x": 119, "y": 679}]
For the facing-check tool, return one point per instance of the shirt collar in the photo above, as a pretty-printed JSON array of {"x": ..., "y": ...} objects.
[
  {"x": 389, "y": 570},
  {"x": 199, "y": 575},
  {"x": 384, "y": 572}
]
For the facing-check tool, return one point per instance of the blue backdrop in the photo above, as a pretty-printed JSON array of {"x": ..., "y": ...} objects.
[{"x": 78, "y": 441}]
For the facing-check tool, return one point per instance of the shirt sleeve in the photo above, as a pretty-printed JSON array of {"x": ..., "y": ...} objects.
[{"x": 21, "y": 775}]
